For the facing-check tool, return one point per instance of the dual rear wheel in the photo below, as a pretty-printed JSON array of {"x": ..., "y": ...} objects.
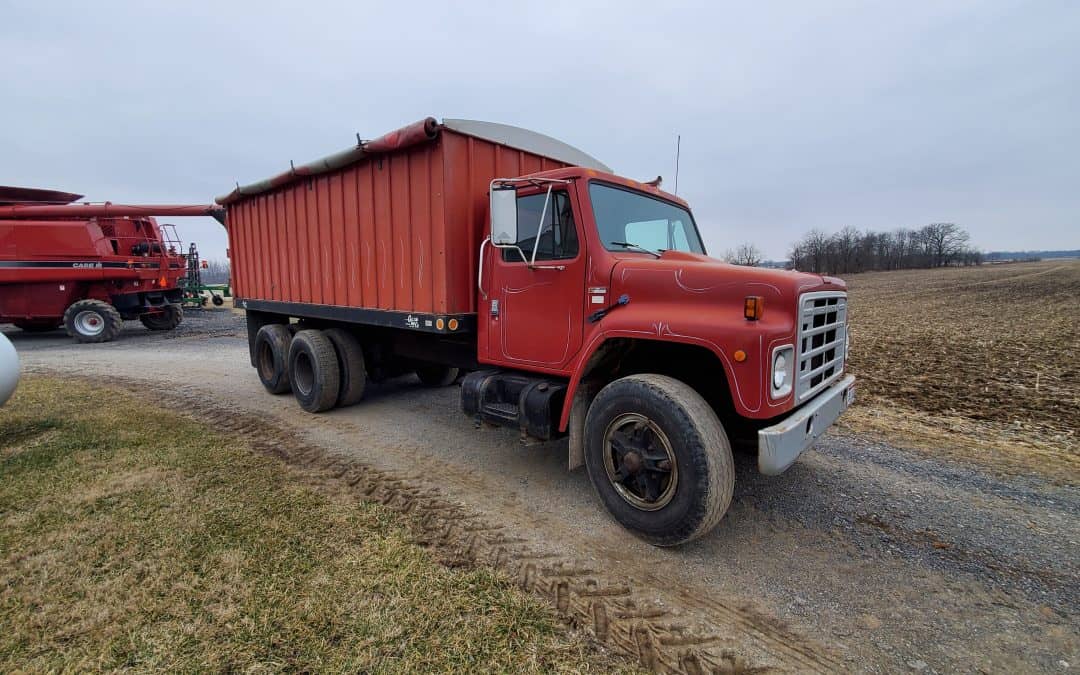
[
  {"x": 308, "y": 364},
  {"x": 323, "y": 368}
]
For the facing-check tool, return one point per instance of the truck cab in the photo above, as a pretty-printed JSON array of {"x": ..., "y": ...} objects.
[{"x": 601, "y": 316}]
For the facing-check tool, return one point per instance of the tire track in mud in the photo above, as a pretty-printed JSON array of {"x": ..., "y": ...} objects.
[{"x": 664, "y": 630}]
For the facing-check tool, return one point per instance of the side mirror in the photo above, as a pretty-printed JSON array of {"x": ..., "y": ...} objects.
[{"x": 504, "y": 222}]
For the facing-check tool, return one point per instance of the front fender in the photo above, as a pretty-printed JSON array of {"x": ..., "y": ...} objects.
[{"x": 719, "y": 328}]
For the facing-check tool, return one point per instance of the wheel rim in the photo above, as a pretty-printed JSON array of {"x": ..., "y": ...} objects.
[
  {"x": 89, "y": 323},
  {"x": 639, "y": 462},
  {"x": 303, "y": 374}
]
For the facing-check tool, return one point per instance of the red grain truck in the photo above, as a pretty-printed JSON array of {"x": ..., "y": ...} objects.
[
  {"x": 581, "y": 303},
  {"x": 87, "y": 267}
]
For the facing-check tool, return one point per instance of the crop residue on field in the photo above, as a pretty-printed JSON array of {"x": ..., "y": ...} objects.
[{"x": 995, "y": 343}]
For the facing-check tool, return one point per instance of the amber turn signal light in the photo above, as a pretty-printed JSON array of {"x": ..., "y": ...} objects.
[
  {"x": 753, "y": 307},
  {"x": 740, "y": 355}
]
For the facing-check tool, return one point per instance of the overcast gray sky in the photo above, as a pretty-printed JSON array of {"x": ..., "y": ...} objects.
[{"x": 793, "y": 115}]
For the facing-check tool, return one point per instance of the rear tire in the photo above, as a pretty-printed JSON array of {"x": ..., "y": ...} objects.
[
  {"x": 38, "y": 325},
  {"x": 313, "y": 371},
  {"x": 436, "y": 376},
  {"x": 659, "y": 458},
  {"x": 272, "y": 357},
  {"x": 92, "y": 321},
  {"x": 167, "y": 319},
  {"x": 350, "y": 357}
]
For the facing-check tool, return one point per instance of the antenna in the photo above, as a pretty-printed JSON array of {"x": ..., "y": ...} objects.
[{"x": 678, "y": 147}]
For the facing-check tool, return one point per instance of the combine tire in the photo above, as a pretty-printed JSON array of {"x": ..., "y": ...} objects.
[
  {"x": 313, "y": 371},
  {"x": 272, "y": 357},
  {"x": 38, "y": 325},
  {"x": 659, "y": 458},
  {"x": 168, "y": 318},
  {"x": 436, "y": 376},
  {"x": 92, "y": 321},
  {"x": 350, "y": 359}
]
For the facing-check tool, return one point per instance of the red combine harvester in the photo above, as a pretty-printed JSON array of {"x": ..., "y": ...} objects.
[{"x": 88, "y": 266}]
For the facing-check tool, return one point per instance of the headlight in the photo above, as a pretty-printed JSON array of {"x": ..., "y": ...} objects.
[{"x": 781, "y": 371}]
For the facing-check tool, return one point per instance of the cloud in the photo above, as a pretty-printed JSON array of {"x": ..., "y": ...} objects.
[{"x": 792, "y": 115}]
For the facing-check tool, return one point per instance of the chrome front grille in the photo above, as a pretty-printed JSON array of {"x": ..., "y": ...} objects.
[{"x": 822, "y": 341}]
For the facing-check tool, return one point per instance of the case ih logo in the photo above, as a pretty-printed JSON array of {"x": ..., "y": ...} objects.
[{"x": 87, "y": 265}]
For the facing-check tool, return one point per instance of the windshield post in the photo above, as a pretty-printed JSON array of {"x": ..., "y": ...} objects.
[{"x": 540, "y": 227}]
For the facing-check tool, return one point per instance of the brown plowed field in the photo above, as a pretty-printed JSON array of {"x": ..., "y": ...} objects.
[{"x": 996, "y": 344}]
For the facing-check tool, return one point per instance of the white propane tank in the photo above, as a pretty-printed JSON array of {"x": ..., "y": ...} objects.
[{"x": 9, "y": 369}]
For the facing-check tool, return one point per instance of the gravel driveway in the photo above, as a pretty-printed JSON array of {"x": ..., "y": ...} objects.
[{"x": 861, "y": 557}]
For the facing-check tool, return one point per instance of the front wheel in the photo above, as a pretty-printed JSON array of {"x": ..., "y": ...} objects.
[
  {"x": 92, "y": 321},
  {"x": 659, "y": 458}
]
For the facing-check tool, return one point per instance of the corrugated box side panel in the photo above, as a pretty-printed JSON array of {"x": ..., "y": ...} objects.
[
  {"x": 396, "y": 232},
  {"x": 370, "y": 235},
  {"x": 470, "y": 164}
]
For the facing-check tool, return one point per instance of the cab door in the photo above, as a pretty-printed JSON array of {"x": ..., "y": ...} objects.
[{"x": 534, "y": 317}]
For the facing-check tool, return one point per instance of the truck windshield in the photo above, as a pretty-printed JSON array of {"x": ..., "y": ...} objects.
[{"x": 629, "y": 220}]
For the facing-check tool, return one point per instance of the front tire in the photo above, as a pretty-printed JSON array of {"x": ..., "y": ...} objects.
[
  {"x": 92, "y": 321},
  {"x": 659, "y": 458},
  {"x": 168, "y": 318}
]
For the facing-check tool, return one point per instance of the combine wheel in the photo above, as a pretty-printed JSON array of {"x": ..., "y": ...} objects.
[
  {"x": 313, "y": 371},
  {"x": 92, "y": 321},
  {"x": 38, "y": 325},
  {"x": 659, "y": 458},
  {"x": 168, "y": 318},
  {"x": 272, "y": 357},
  {"x": 350, "y": 358},
  {"x": 436, "y": 376}
]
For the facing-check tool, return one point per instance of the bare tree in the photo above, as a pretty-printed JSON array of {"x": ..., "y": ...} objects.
[
  {"x": 850, "y": 250},
  {"x": 746, "y": 254},
  {"x": 216, "y": 272},
  {"x": 944, "y": 242}
]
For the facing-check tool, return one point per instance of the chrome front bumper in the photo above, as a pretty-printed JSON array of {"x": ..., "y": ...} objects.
[{"x": 781, "y": 444}]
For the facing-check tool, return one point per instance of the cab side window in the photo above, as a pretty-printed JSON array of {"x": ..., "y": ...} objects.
[{"x": 558, "y": 236}]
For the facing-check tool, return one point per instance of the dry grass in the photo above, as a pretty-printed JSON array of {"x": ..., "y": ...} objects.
[
  {"x": 986, "y": 356},
  {"x": 134, "y": 538}
]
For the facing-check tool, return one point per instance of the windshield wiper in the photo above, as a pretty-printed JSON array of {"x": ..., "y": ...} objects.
[{"x": 626, "y": 244}]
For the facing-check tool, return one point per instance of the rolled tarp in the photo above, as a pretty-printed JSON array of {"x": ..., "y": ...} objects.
[{"x": 422, "y": 131}]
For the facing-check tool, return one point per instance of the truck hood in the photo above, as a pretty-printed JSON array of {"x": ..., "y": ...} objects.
[{"x": 699, "y": 274}]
